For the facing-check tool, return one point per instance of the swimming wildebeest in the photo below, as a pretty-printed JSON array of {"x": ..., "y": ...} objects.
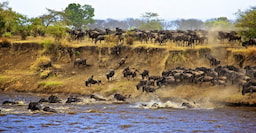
[
  {"x": 9, "y": 103},
  {"x": 53, "y": 99},
  {"x": 34, "y": 106},
  {"x": 79, "y": 62},
  {"x": 48, "y": 109},
  {"x": 119, "y": 97},
  {"x": 110, "y": 74},
  {"x": 73, "y": 99}
]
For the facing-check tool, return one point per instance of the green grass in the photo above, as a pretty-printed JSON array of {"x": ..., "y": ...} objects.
[
  {"x": 50, "y": 83},
  {"x": 114, "y": 89},
  {"x": 2, "y": 78}
]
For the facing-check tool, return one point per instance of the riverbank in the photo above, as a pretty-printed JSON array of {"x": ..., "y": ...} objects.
[{"x": 48, "y": 68}]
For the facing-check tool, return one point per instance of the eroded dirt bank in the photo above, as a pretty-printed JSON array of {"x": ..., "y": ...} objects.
[{"x": 30, "y": 67}]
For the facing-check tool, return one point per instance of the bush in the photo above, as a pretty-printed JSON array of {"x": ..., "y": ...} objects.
[
  {"x": 42, "y": 62},
  {"x": 7, "y": 34},
  {"x": 58, "y": 31},
  {"x": 5, "y": 42},
  {"x": 129, "y": 40},
  {"x": 49, "y": 46},
  {"x": 111, "y": 39}
]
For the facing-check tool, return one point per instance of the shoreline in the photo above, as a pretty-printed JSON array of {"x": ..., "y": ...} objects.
[{"x": 18, "y": 75}]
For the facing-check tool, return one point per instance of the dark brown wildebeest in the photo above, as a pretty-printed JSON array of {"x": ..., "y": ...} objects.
[
  {"x": 250, "y": 42},
  {"x": 148, "y": 89},
  {"x": 144, "y": 74},
  {"x": 79, "y": 62},
  {"x": 119, "y": 97},
  {"x": 91, "y": 81},
  {"x": 110, "y": 74},
  {"x": 122, "y": 61},
  {"x": 249, "y": 89}
]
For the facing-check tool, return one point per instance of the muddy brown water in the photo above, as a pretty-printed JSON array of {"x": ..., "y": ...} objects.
[{"x": 112, "y": 116}]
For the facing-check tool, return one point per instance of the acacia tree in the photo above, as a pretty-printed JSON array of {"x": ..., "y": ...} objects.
[
  {"x": 247, "y": 22},
  {"x": 151, "y": 22},
  {"x": 79, "y": 16}
]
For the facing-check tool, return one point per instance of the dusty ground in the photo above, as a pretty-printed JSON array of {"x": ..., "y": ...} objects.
[{"x": 18, "y": 71}]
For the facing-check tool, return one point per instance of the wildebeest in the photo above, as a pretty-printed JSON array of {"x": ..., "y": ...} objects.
[
  {"x": 119, "y": 97},
  {"x": 91, "y": 81},
  {"x": 129, "y": 73},
  {"x": 43, "y": 100},
  {"x": 79, "y": 62},
  {"x": 144, "y": 74},
  {"x": 100, "y": 38},
  {"x": 73, "y": 99},
  {"x": 53, "y": 99},
  {"x": 141, "y": 83},
  {"x": 250, "y": 42},
  {"x": 97, "y": 98},
  {"x": 110, "y": 74},
  {"x": 48, "y": 109},
  {"x": 249, "y": 89},
  {"x": 148, "y": 89},
  {"x": 122, "y": 61},
  {"x": 34, "y": 106},
  {"x": 213, "y": 61},
  {"x": 9, "y": 103}
]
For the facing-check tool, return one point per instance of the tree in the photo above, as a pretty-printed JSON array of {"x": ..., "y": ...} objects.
[
  {"x": 58, "y": 30},
  {"x": 189, "y": 24},
  {"x": 51, "y": 17},
  {"x": 151, "y": 22},
  {"x": 8, "y": 19},
  {"x": 22, "y": 26},
  {"x": 221, "y": 23},
  {"x": 78, "y": 16},
  {"x": 247, "y": 22},
  {"x": 37, "y": 27}
]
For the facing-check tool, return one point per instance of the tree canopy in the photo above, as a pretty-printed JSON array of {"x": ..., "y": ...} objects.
[
  {"x": 151, "y": 22},
  {"x": 221, "y": 23},
  {"x": 78, "y": 16},
  {"x": 247, "y": 22}
]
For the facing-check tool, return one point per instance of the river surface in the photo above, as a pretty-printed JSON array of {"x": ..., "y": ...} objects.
[{"x": 91, "y": 116}]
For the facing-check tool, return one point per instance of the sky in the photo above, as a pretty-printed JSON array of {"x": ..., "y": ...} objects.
[{"x": 122, "y": 9}]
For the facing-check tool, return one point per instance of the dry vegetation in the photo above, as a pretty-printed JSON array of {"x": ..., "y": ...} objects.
[{"x": 23, "y": 71}]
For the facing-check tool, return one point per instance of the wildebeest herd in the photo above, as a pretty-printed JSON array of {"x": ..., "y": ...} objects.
[
  {"x": 219, "y": 75},
  {"x": 42, "y": 104},
  {"x": 179, "y": 37}
]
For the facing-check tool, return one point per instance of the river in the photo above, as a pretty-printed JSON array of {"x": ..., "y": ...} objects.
[{"x": 135, "y": 116}]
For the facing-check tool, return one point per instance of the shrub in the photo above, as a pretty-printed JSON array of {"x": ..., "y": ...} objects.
[
  {"x": 129, "y": 40},
  {"x": 41, "y": 63},
  {"x": 111, "y": 39},
  {"x": 5, "y": 42},
  {"x": 49, "y": 46},
  {"x": 7, "y": 34}
]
